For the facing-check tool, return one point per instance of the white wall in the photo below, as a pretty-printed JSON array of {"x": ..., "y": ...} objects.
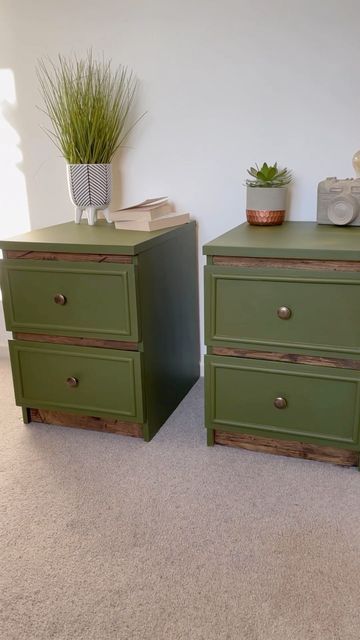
[{"x": 225, "y": 84}]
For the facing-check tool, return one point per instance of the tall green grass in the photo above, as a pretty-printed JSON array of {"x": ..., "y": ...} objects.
[{"x": 88, "y": 105}]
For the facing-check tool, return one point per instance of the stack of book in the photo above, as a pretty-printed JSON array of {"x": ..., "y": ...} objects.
[{"x": 149, "y": 215}]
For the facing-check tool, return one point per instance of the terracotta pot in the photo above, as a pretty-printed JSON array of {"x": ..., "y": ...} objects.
[{"x": 266, "y": 206}]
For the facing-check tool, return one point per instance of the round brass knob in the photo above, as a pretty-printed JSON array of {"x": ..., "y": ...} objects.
[
  {"x": 284, "y": 313},
  {"x": 280, "y": 403},
  {"x": 72, "y": 382},
  {"x": 60, "y": 298}
]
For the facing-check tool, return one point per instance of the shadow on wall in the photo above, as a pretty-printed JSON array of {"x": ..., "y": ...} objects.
[
  {"x": 14, "y": 206},
  {"x": 117, "y": 190}
]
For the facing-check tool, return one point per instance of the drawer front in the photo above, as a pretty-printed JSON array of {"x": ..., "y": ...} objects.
[
  {"x": 242, "y": 307},
  {"x": 99, "y": 300},
  {"x": 106, "y": 381},
  {"x": 316, "y": 405}
]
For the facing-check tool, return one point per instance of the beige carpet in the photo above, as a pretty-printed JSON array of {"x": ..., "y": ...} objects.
[{"x": 106, "y": 537}]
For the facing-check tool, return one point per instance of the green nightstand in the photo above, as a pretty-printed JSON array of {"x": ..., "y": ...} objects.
[
  {"x": 105, "y": 324},
  {"x": 282, "y": 370}
]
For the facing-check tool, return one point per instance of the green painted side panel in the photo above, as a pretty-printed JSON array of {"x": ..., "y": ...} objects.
[
  {"x": 100, "y": 298},
  {"x": 82, "y": 238},
  {"x": 109, "y": 380},
  {"x": 242, "y": 304},
  {"x": 289, "y": 240},
  {"x": 168, "y": 290},
  {"x": 322, "y": 407}
]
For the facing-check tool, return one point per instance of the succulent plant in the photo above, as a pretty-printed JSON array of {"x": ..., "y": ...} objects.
[{"x": 268, "y": 176}]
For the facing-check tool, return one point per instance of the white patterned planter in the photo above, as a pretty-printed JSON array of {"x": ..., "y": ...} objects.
[{"x": 89, "y": 189}]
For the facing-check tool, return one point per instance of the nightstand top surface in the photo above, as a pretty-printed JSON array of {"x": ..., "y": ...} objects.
[
  {"x": 83, "y": 238},
  {"x": 289, "y": 240}
]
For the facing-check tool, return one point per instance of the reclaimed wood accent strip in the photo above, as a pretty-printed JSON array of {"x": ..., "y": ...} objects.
[
  {"x": 86, "y": 422},
  {"x": 339, "y": 363},
  {"x": 118, "y": 259},
  {"x": 11, "y": 254},
  {"x": 79, "y": 342},
  {"x": 288, "y": 448},
  {"x": 287, "y": 263},
  {"x": 69, "y": 257}
]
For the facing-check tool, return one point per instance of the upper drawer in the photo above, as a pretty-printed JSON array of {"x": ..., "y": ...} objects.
[
  {"x": 98, "y": 300},
  {"x": 243, "y": 307}
]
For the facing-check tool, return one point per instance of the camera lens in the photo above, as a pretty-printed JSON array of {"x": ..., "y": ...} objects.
[{"x": 343, "y": 210}]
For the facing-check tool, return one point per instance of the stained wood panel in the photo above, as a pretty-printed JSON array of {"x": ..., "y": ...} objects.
[
  {"x": 339, "y": 363},
  {"x": 86, "y": 422},
  {"x": 82, "y": 342},
  {"x": 287, "y": 263},
  {"x": 67, "y": 257},
  {"x": 288, "y": 448}
]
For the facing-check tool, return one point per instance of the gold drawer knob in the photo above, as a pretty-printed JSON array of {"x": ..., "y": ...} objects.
[
  {"x": 284, "y": 313},
  {"x": 60, "y": 298},
  {"x": 72, "y": 382},
  {"x": 280, "y": 403}
]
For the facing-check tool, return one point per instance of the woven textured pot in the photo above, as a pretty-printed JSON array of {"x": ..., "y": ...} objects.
[
  {"x": 266, "y": 206},
  {"x": 89, "y": 189}
]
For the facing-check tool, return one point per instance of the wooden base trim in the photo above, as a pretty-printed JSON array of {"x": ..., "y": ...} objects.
[
  {"x": 79, "y": 342},
  {"x": 288, "y": 448},
  {"x": 86, "y": 422},
  {"x": 67, "y": 257},
  {"x": 338, "y": 363},
  {"x": 287, "y": 263}
]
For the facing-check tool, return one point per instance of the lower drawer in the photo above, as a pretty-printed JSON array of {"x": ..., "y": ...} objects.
[
  {"x": 99, "y": 382},
  {"x": 283, "y": 400}
]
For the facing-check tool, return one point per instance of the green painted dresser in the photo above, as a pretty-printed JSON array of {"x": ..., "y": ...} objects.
[
  {"x": 282, "y": 329},
  {"x": 105, "y": 324}
]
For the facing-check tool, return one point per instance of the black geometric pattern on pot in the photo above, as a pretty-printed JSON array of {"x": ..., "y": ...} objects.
[{"x": 89, "y": 184}]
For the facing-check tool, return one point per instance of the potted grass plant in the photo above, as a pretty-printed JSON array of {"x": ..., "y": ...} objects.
[
  {"x": 89, "y": 106},
  {"x": 266, "y": 194}
]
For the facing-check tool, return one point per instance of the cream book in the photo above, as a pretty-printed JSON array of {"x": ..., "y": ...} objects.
[
  {"x": 145, "y": 205},
  {"x": 141, "y": 213},
  {"x": 163, "y": 222},
  {"x": 150, "y": 203}
]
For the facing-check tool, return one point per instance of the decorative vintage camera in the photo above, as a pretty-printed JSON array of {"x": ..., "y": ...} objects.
[{"x": 339, "y": 202}]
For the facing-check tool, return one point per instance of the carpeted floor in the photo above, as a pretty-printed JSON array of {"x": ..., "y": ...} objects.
[{"x": 106, "y": 537}]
